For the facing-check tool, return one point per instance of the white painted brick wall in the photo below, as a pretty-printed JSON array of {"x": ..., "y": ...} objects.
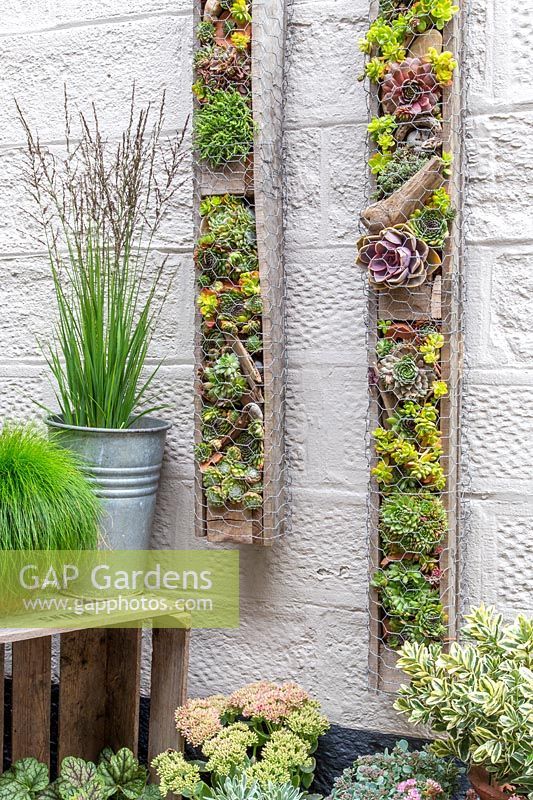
[{"x": 303, "y": 601}]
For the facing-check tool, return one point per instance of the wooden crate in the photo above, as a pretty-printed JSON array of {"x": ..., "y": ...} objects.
[
  {"x": 99, "y": 690},
  {"x": 261, "y": 184}
]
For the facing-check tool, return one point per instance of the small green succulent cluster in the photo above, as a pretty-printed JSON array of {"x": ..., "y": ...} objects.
[
  {"x": 432, "y": 223},
  {"x": 410, "y": 449},
  {"x": 396, "y": 169},
  {"x": 223, "y": 127},
  {"x": 411, "y": 602},
  {"x": 413, "y": 524},
  {"x": 231, "y": 450},
  {"x": 235, "y": 479},
  {"x": 387, "y": 38}
]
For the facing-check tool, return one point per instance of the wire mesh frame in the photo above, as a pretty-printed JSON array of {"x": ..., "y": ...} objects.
[
  {"x": 437, "y": 301},
  {"x": 255, "y": 182}
]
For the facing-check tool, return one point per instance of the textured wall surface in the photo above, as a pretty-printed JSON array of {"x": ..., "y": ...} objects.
[
  {"x": 498, "y": 399},
  {"x": 304, "y": 602}
]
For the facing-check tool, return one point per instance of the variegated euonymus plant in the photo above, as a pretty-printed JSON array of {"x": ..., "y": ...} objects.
[{"x": 479, "y": 695}]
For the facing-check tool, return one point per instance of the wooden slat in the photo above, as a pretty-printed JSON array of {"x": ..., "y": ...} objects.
[
  {"x": 123, "y": 680},
  {"x": 32, "y": 699},
  {"x": 268, "y": 47},
  {"x": 170, "y": 663},
  {"x": 452, "y": 352},
  {"x": 234, "y": 178},
  {"x": 230, "y": 526},
  {"x": 82, "y": 701}
]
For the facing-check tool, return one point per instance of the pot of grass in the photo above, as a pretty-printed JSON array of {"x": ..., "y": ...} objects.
[
  {"x": 100, "y": 207},
  {"x": 46, "y": 501}
]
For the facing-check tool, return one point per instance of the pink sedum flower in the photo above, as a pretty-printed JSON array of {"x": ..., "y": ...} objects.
[
  {"x": 268, "y": 700},
  {"x": 199, "y": 719}
]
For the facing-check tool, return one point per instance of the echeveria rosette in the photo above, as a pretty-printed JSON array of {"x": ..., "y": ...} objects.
[
  {"x": 431, "y": 226},
  {"x": 404, "y": 372},
  {"x": 396, "y": 258},
  {"x": 410, "y": 88}
]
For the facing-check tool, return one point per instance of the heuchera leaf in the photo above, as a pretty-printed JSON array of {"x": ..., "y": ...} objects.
[{"x": 122, "y": 772}]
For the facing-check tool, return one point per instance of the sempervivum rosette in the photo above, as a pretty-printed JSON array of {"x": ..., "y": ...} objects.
[
  {"x": 404, "y": 372},
  {"x": 395, "y": 258},
  {"x": 410, "y": 88}
]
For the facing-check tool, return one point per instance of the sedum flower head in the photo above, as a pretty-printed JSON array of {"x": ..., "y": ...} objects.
[
  {"x": 229, "y": 748},
  {"x": 175, "y": 774},
  {"x": 268, "y": 700},
  {"x": 307, "y": 721},
  {"x": 199, "y": 719},
  {"x": 283, "y": 752}
]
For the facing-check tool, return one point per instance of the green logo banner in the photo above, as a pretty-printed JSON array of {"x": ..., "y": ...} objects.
[{"x": 122, "y": 588}]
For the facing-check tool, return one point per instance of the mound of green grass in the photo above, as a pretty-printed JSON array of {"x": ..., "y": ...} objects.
[{"x": 46, "y": 502}]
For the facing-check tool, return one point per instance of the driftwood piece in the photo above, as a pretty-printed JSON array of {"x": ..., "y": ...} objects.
[
  {"x": 248, "y": 367},
  {"x": 404, "y": 201},
  {"x": 420, "y": 45}
]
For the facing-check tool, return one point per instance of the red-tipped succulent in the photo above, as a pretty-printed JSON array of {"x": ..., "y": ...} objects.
[
  {"x": 395, "y": 258},
  {"x": 410, "y": 88}
]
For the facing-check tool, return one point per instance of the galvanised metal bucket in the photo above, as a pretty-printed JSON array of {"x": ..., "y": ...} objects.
[{"x": 125, "y": 466}]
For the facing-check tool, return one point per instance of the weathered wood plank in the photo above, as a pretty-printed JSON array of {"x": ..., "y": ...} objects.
[
  {"x": 82, "y": 701},
  {"x": 31, "y": 712},
  {"x": 230, "y": 525},
  {"x": 170, "y": 664},
  {"x": 123, "y": 681},
  {"x": 268, "y": 47}
]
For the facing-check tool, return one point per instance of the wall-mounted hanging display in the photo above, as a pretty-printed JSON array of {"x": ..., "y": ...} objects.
[
  {"x": 240, "y": 391},
  {"x": 410, "y": 253}
]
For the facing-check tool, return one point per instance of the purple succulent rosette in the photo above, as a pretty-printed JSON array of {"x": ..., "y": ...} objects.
[
  {"x": 410, "y": 88},
  {"x": 395, "y": 258}
]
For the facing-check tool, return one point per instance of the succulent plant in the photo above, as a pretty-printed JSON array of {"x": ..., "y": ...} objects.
[
  {"x": 398, "y": 169},
  {"x": 413, "y": 608},
  {"x": 254, "y": 344},
  {"x": 223, "y": 68},
  {"x": 431, "y": 226},
  {"x": 205, "y": 33},
  {"x": 412, "y": 523},
  {"x": 431, "y": 223},
  {"x": 410, "y": 88},
  {"x": 224, "y": 127},
  {"x": 404, "y": 372},
  {"x": 224, "y": 382},
  {"x": 396, "y": 258}
]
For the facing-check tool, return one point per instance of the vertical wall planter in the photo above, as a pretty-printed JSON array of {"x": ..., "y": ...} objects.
[
  {"x": 410, "y": 251},
  {"x": 240, "y": 344}
]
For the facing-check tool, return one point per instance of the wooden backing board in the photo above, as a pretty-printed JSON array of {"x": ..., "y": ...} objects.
[{"x": 263, "y": 185}]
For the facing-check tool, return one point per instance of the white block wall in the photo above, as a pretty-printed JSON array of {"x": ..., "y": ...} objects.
[{"x": 304, "y": 602}]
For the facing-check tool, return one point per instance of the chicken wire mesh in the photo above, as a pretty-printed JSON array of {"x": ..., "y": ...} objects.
[
  {"x": 240, "y": 348},
  {"x": 410, "y": 252}
]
